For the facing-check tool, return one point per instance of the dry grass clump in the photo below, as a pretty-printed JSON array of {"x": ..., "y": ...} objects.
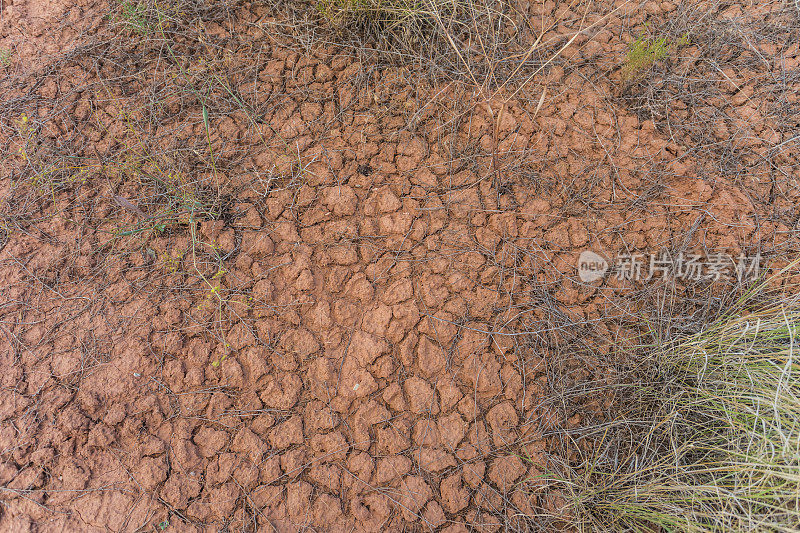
[
  {"x": 711, "y": 441},
  {"x": 409, "y": 21},
  {"x": 493, "y": 42}
]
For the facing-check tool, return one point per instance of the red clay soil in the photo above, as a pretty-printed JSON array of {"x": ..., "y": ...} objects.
[{"x": 363, "y": 338}]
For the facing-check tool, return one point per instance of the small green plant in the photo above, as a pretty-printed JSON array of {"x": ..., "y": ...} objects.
[
  {"x": 142, "y": 16},
  {"x": 5, "y": 57},
  {"x": 646, "y": 51}
]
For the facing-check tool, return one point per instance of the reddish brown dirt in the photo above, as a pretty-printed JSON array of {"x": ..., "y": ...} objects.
[{"x": 398, "y": 287}]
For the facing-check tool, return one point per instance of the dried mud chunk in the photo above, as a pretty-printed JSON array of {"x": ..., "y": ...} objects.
[
  {"x": 18, "y": 524},
  {"x": 341, "y": 200},
  {"x": 108, "y": 511},
  {"x": 179, "y": 489},
  {"x": 326, "y": 510},
  {"x": 300, "y": 342},
  {"x": 330, "y": 446},
  {"x": 254, "y": 363},
  {"x": 220, "y": 469},
  {"x": 425, "y": 433},
  {"x": 505, "y": 470},
  {"x": 269, "y": 469},
  {"x": 345, "y": 254},
  {"x": 384, "y": 367},
  {"x": 512, "y": 382},
  {"x": 101, "y": 436},
  {"x": 487, "y": 522},
  {"x": 398, "y": 223},
  {"x": 359, "y": 288},
  {"x": 405, "y": 350},
  {"x": 463, "y": 202},
  {"x": 185, "y": 454},
  {"x": 430, "y": 358},
  {"x": 285, "y": 232},
  {"x": 473, "y": 472},
  {"x": 486, "y": 497},
  {"x": 482, "y": 372},
  {"x": 287, "y": 433},
  {"x": 473, "y": 340},
  {"x": 433, "y": 514},
  {"x": 479, "y": 438},
  {"x": 267, "y": 498},
  {"x": 383, "y": 200},
  {"x": 374, "y": 512},
  {"x": 360, "y": 467},
  {"x": 328, "y": 476},
  {"x": 321, "y": 378},
  {"x": 420, "y": 396},
  {"x": 391, "y": 468},
  {"x": 399, "y": 291},
  {"x": 72, "y": 419},
  {"x": 298, "y": 498},
  {"x": 210, "y": 441},
  {"x": 376, "y": 320},
  {"x": 452, "y": 429},
  {"x": 262, "y": 423},
  {"x": 391, "y": 440},
  {"x": 305, "y": 281},
  {"x": 410, "y": 154},
  {"x": 366, "y": 347},
  {"x": 393, "y": 397},
  {"x": 247, "y": 442},
  {"x": 503, "y": 421},
  {"x": 434, "y": 459},
  {"x": 222, "y": 500},
  {"x": 367, "y": 415},
  {"x": 456, "y": 528},
  {"x": 414, "y": 494},
  {"x": 449, "y": 393},
  {"x": 282, "y": 392},
  {"x": 441, "y": 326},
  {"x": 293, "y": 462},
  {"x": 150, "y": 472},
  {"x": 232, "y": 375},
  {"x": 320, "y": 317},
  {"x": 488, "y": 239},
  {"x": 345, "y": 313},
  {"x": 455, "y": 496},
  {"x": 318, "y": 416},
  {"x": 246, "y": 475}
]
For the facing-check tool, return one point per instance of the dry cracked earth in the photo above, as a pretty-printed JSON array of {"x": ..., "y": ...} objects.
[{"x": 254, "y": 282}]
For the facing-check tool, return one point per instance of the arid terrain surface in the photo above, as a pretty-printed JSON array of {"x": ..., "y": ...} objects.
[{"x": 255, "y": 278}]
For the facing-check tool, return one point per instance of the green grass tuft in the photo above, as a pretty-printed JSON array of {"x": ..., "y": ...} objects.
[{"x": 645, "y": 52}]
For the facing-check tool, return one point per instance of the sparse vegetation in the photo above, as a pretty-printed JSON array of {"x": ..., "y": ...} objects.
[
  {"x": 5, "y": 57},
  {"x": 645, "y": 51},
  {"x": 143, "y": 17},
  {"x": 710, "y": 432}
]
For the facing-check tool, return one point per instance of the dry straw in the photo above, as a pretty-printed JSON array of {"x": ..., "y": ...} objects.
[{"x": 716, "y": 429}]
